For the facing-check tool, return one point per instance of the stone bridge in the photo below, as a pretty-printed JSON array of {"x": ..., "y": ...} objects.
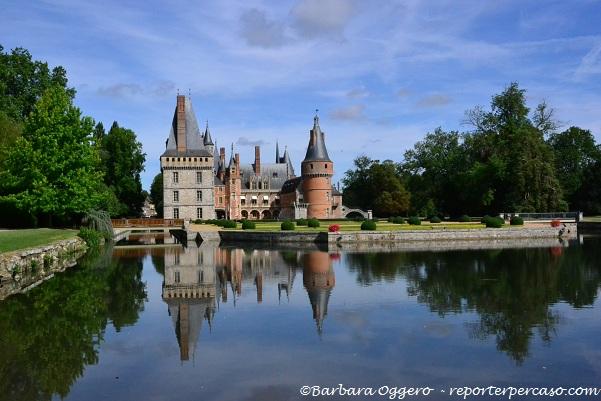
[{"x": 346, "y": 212}]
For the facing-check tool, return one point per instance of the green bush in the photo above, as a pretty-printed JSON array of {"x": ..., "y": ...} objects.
[
  {"x": 397, "y": 220},
  {"x": 92, "y": 238},
  {"x": 484, "y": 219},
  {"x": 368, "y": 225},
  {"x": 494, "y": 222},
  {"x": 228, "y": 223},
  {"x": 414, "y": 221},
  {"x": 301, "y": 222},
  {"x": 198, "y": 221},
  {"x": 435, "y": 219},
  {"x": 288, "y": 225},
  {"x": 313, "y": 223},
  {"x": 248, "y": 225},
  {"x": 464, "y": 219},
  {"x": 516, "y": 221}
]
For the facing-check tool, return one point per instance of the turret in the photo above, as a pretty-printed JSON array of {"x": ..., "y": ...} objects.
[{"x": 317, "y": 170}]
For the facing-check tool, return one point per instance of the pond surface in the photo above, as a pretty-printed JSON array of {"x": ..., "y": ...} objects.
[{"x": 168, "y": 322}]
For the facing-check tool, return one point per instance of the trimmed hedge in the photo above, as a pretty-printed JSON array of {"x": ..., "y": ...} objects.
[
  {"x": 228, "y": 223},
  {"x": 248, "y": 225},
  {"x": 464, "y": 219},
  {"x": 414, "y": 221},
  {"x": 288, "y": 226},
  {"x": 301, "y": 222},
  {"x": 368, "y": 225},
  {"x": 516, "y": 221},
  {"x": 313, "y": 223},
  {"x": 435, "y": 219},
  {"x": 493, "y": 222},
  {"x": 397, "y": 220}
]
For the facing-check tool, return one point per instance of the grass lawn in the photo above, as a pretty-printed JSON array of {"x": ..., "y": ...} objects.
[
  {"x": 12, "y": 240},
  {"x": 593, "y": 218},
  {"x": 346, "y": 225}
]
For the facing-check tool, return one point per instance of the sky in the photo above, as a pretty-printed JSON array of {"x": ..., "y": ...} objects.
[{"x": 382, "y": 73}]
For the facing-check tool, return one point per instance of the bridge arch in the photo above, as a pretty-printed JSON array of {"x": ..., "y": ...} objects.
[{"x": 349, "y": 212}]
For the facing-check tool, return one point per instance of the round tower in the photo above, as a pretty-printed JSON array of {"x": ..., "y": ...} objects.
[{"x": 317, "y": 170}]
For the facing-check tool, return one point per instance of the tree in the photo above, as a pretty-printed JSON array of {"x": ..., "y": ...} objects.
[
  {"x": 51, "y": 172},
  {"x": 156, "y": 194},
  {"x": 372, "y": 177},
  {"x": 575, "y": 153},
  {"x": 23, "y": 81},
  {"x": 10, "y": 131},
  {"x": 122, "y": 162},
  {"x": 588, "y": 196}
]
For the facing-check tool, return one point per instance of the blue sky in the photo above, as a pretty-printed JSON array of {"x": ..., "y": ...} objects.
[{"x": 382, "y": 73}]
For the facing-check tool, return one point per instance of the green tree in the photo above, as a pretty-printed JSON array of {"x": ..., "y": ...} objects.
[
  {"x": 122, "y": 162},
  {"x": 51, "y": 171},
  {"x": 156, "y": 193},
  {"x": 575, "y": 153},
  {"x": 10, "y": 131},
  {"x": 372, "y": 177},
  {"x": 23, "y": 81}
]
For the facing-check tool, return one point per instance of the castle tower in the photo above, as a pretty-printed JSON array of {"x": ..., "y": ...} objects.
[
  {"x": 187, "y": 167},
  {"x": 233, "y": 187},
  {"x": 317, "y": 170}
]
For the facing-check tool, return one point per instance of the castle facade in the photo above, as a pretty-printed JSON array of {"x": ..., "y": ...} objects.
[{"x": 200, "y": 183}]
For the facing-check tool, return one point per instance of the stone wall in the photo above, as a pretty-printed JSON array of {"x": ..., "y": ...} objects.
[{"x": 24, "y": 269}]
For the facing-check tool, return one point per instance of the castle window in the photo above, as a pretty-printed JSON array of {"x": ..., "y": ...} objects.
[
  {"x": 326, "y": 165},
  {"x": 198, "y": 196},
  {"x": 199, "y": 213},
  {"x": 206, "y": 159},
  {"x": 195, "y": 159},
  {"x": 265, "y": 200},
  {"x": 176, "y": 277},
  {"x": 176, "y": 213},
  {"x": 253, "y": 200},
  {"x": 176, "y": 258},
  {"x": 175, "y": 198},
  {"x": 220, "y": 199},
  {"x": 275, "y": 174},
  {"x": 178, "y": 159},
  {"x": 175, "y": 177},
  {"x": 198, "y": 177},
  {"x": 311, "y": 166},
  {"x": 243, "y": 200}
]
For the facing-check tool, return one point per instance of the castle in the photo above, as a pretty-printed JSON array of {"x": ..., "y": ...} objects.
[{"x": 198, "y": 183}]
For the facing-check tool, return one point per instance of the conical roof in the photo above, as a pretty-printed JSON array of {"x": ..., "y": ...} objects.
[{"x": 316, "y": 151}]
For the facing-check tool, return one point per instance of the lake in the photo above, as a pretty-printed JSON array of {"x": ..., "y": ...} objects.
[{"x": 150, "y": 319}]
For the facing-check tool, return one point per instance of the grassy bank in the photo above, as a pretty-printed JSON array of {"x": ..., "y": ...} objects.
[
  {"x": 346, "y": 225},
  {"x": 13, "y": 240}
]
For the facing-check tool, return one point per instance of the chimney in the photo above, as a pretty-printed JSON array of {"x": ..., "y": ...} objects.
[
  {"x": 237, "y": 158},
  {"x": 222, "y": 155},
  {"x": 257, "y": 160},
  {"x": 181, "y": 123}
]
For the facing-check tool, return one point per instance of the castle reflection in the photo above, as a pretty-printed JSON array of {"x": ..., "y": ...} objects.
[{"x": 198, "y": 279}]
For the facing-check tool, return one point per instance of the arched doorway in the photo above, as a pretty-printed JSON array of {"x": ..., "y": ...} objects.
[
  {"x": 220, "y": 214},
  {"x": 254, "y": 214},
  {"x": 266, "y": 215},
  {"x": 244, "y": 214},
  {"x": 276, "y": 214}
]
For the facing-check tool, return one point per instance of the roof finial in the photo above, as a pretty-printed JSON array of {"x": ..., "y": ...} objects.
[
  {"x": 177, "y": 91},
  {"x": 189, "y": 93},
  {"x": 207, "y": 127},
  {"x": 316, "y": 118}
]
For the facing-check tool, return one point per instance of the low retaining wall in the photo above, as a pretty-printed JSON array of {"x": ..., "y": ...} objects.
[
  {"x": 363, "y": 238},
  {"x": 26, "y": 268}
]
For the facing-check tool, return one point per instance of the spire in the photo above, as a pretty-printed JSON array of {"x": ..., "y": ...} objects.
[
  {"x": 277, "y": 152},
  {"x": 286, "y": 160},
  {"x": 316, "y": 150},
  {"x": 207, "y": 136},
  {"x": 232, "y": 159}
]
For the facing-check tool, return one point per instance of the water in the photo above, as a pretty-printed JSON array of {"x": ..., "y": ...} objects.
[{"x": 164, "y": 322}]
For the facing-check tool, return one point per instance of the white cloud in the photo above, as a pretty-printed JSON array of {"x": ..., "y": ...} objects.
[
  {"x": 258, "y": 30},
  {"x": 353, "y": 112},
  {"x": 314, "y": 18}
]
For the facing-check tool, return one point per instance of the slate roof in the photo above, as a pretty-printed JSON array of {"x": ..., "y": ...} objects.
[
  {"x": 194, "y": 139},
  {"x": 291, "y": 185},
  {"x": 276, "y": 173},
  {"x": 316, "y": 151}
]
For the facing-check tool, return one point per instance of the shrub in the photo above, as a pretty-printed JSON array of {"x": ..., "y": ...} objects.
[
  {"x": 464, "y": 219},
  {"x": 516, "y": 221},
  {"x": 414, "y": 221},
  {"x": 301, "y": 222},
  {"x": 92, "y": 238},
  {"x": 368, "y": 225},
  {"x": 555, "y": 223},
  {"x": 228, "y": 223},
  {"x": 288, "y": 225},
  {"x": 334, "y": 228},
  {"x": 313, "y": 223},
  {"x": 397, "y": 220},
  {"x": 198, "y": 221},
  {"x": 248, "y": 225},
  {"x": 494, "y": 222},
  {"x": 435, "y": 219},
  {"x": 484, "y": 219}
]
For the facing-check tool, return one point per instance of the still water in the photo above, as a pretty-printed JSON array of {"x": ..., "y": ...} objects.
[{"x": 168, "y": 322}]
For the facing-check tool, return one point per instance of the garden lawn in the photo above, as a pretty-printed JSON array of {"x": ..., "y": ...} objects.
[
  {"x": 346, "y": 225},
  {"x": 12, "y": 240}
]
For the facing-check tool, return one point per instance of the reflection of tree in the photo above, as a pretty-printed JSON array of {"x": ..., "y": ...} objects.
[
  {"x": 511, "y": 290},
  {"x": 50, "y": 334}
]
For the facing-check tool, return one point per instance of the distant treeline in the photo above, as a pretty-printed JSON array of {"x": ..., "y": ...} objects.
[
  {"x": 511, "y": 160},
  {"x": 55, "y": 163}
]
